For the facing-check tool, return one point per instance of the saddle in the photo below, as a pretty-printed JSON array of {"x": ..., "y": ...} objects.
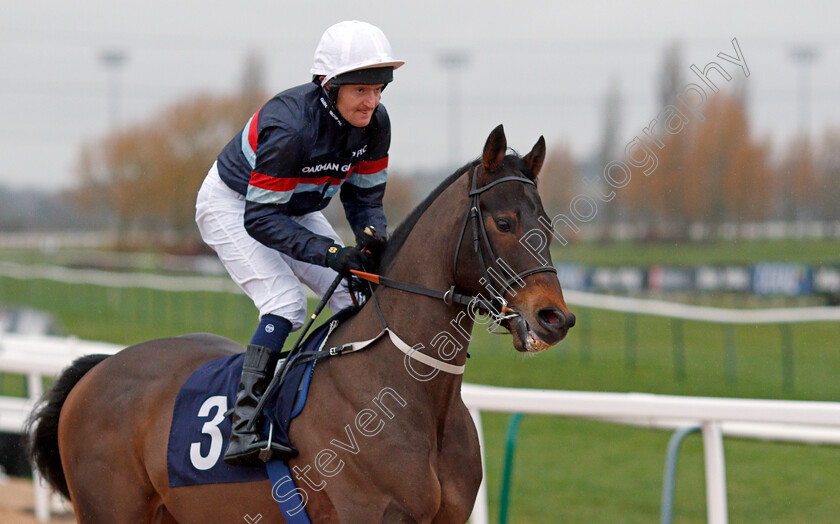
[{"x": 199, "y": 430}]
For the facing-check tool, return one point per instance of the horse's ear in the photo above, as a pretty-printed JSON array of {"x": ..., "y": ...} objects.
[
  {"x": 494, "y": 149},
  {"x": 534, "y": 160}
]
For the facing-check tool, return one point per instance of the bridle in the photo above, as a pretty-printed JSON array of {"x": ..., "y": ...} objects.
[
  {"x": 496, "y": 305},
  {"x": 484, "y": 249}
]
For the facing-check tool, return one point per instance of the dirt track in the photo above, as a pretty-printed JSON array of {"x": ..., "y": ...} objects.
[{"x": 17, "y": 504}]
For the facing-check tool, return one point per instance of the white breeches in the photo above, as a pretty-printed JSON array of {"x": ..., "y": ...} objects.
[{"x": 271, "y": 279}]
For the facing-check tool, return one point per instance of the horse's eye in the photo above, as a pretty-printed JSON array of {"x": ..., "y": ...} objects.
[{"x": 503, "y": 225}]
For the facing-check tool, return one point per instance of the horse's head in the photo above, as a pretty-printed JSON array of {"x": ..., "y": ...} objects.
[{"x": 495, "y": 262}]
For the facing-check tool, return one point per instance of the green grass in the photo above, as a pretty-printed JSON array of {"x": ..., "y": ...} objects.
[
  {"x": 145, "y": 261},
  {"x": 571, "y": 470},
  {"x": 811, "y": 251},
  {"x": 579, "y": 471},
  {"x": 567, "y": 470},
  {"x": 132, "y": 315}
]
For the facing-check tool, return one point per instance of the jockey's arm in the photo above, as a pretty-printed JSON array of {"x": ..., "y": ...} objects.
[
  {"x": 363, "y": 191},
  {"x": 273, "y": 182},
  {"x": 270, "y": 226},
  {"x": 363, "y": 206}
]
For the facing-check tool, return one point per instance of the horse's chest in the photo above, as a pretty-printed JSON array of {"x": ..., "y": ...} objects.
[{"x": 459, "y": 469}]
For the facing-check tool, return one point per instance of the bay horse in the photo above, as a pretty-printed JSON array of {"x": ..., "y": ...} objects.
[{"x": 100, "y": 438}]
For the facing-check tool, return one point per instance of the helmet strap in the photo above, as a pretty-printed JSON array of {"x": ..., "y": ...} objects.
[
  {"x": 332, "y": 92},
  {"x": 330, "y": 106}
]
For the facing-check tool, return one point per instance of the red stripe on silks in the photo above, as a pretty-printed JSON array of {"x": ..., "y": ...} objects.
[
  {"x": 272, "y": 183},
  {"x": 320, "y": 180},
  {"x": 252, "y": 131},
  {"x": 369, "y": 167},
  {"x": 286, "y": 184}
]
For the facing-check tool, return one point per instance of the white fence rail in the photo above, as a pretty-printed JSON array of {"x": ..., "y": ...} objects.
[
  {"x": 702, "y": 313},
  {"x": 115, "y": 279},
  {"x": 799, "y": 421},
  {"x": 37, "y": 357}
]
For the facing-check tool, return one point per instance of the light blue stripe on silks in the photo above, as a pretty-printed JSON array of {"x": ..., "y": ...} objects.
[
  {"x": 303, "y": 188},
  {"x": 267, "y": 196},
  {"x": 367, "y": 181},
  {"x": 250, "y": 154}
]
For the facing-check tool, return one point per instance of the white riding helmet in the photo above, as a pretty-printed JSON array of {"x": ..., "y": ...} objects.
[{"x": 351, "y": 46}]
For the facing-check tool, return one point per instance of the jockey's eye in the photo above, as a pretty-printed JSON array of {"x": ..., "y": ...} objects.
[{"x": 503, "y": 225}]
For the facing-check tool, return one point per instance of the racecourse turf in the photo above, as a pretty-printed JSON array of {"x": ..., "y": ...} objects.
[{"x": 566, "y": 470}]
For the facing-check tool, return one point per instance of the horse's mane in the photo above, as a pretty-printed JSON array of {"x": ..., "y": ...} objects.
[{"x": 397, "y": 239}]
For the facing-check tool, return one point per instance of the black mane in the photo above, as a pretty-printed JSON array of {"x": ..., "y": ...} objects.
[{"x": 397, "y": 239}]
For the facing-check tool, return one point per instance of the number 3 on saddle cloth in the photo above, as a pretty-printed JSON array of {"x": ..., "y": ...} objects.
[{"x": 199, "y": 431}]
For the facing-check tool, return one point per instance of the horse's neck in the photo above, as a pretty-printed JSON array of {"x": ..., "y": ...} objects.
[{"x": 426, "y": 259}]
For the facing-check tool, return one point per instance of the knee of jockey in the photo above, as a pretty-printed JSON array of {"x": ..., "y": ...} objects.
[{"x": 272, "y": 332}]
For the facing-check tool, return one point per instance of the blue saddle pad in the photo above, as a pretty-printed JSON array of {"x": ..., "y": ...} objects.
[{"x": 199, "y": 432}]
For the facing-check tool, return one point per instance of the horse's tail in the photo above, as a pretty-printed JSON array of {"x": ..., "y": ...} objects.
[{"x": 42, "y": 426}]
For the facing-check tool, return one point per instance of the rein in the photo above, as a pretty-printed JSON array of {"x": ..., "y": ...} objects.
[
  {"x": 481, "y": 245},
  {"x": 449, "y": 297}
]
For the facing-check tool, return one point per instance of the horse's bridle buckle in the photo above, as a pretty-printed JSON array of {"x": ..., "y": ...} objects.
[{"x": 448, "y": 295}]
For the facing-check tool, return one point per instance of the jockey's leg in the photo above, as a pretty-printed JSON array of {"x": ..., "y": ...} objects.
[
  {"x": 265, "y": 276},
  {"x": 260, "y": 362}
]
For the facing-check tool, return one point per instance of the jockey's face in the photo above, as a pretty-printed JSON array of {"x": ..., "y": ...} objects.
[{"x": 356, "y": 102}]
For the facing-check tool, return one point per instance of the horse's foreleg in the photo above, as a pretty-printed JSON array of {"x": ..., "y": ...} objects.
[
  {"x": 395, "y": 514},
  {"x": 164, "y": 517}
]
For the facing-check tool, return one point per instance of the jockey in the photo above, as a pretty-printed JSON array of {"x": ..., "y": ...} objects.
[{"x": 259, "y": 206}]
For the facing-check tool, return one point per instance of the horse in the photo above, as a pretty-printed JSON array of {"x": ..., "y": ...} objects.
[{"x": 100, "y": 437}]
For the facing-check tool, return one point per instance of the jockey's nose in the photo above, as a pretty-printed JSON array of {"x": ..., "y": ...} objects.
[{"x": 371, "y": 100}]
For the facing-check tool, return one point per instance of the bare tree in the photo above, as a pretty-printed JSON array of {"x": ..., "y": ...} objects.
[{"x": 149, "y": 174}]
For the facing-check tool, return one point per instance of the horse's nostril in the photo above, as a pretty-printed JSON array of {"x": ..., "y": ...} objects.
[{"x": 551, "y": 317}]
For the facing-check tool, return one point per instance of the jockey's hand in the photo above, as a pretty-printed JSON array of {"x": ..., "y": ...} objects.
[
  {"x": 343, "y": 259},
  {"x": 372, "y": 241}
]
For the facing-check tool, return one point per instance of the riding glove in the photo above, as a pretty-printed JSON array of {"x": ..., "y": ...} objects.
[
  {"x": 343, "y": 259},
  {"x": 372, "y": 241}
]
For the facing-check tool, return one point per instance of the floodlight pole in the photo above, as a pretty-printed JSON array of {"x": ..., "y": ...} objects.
[
  {"x": 804, "y": 56},
  {"x": 113, "y": 60},
  {"x": 453, "y": 62}
]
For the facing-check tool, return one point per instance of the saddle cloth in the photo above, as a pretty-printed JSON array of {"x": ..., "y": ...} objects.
[{"x": 199, "y": 432}]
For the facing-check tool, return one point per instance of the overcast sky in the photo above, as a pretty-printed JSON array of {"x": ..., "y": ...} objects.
[{"x": 539, "y": 67}]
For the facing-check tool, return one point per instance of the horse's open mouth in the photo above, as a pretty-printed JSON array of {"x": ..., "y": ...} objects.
[{"x": 525, "y": 339}]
